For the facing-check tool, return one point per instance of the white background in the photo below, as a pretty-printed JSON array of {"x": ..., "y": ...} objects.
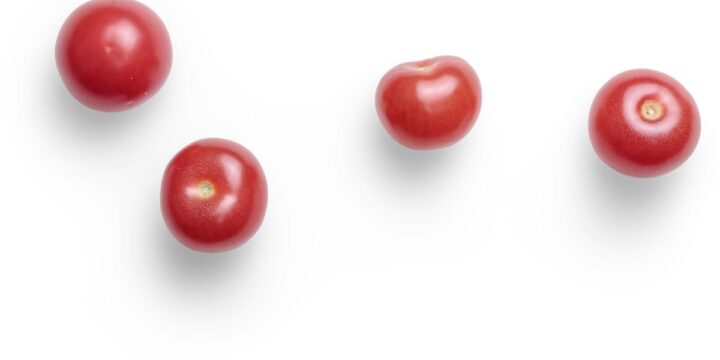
[{"x": 517, "y": 243}]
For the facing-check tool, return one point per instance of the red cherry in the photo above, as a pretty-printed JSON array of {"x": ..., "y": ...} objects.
[
  {"x": 429, "y": 104},
  {"x": 214, "y": 195},
  {"x": 644, "y": 123},
  {"x": 113, "y": 55}
]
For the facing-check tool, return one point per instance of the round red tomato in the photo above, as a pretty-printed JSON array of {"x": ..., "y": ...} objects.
[
  {"x": 113, "y": 55},
  {"x": 644, "y": 123},
  {"x": 429, "y": 104},
  {"x": 214, "y": 195}
]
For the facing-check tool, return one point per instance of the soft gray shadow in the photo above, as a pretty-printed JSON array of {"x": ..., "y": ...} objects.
[
  {"x": 188, "y": 271},
  {"x": 188, "y": 263},
  {"x": 401, "y": 162},
  {"x": 625, "y": 192},
  {"x": 616, "y": 197},
  {"x": 626, "y": 203},
  {"x": 73, "y": 119}
]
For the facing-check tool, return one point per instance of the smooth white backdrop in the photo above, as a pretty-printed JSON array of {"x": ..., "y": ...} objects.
[{"x": 517, "y": 243}]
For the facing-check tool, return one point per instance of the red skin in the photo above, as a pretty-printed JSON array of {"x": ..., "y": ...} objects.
[
  {"x": 429, "y": 104},
  {"x": 635, "y": 143},
  {"x": 214, "y": 195},
  {"x": 113, "y": 55}
]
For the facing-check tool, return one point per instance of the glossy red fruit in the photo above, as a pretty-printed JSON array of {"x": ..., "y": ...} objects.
[
  {"x": 429, "y": 104},
  {"x": 113, "y": 55},
  {"x": 644, "y": 123},
  {"x": 214, "y": 195}
]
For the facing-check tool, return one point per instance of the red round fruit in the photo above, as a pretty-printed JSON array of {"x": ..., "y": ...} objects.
[
  {"x": 644, "y": 123},
  {"x": 214, "y": 195},
  {"x": 113, "y": 55},
  {"x": 431, "y": 103}
]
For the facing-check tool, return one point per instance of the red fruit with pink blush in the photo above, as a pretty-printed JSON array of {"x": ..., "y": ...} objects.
[
  {"x": 429, "y": 104},
  {"x": 644, "y": 123},
  {"x": 113, "y": 55},
  {"x": 214, "y": 195}
]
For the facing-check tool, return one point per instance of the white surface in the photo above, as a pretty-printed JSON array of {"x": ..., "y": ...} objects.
[{"x": 518, "y": 243}]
